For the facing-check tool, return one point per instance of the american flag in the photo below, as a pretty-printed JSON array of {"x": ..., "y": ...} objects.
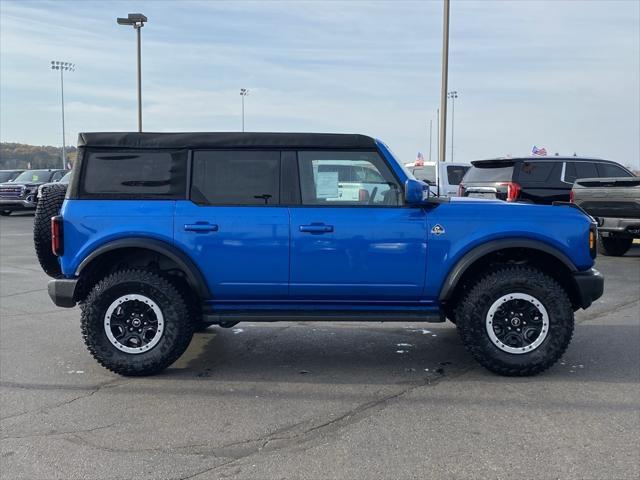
[{"x": 542, "y": 152}]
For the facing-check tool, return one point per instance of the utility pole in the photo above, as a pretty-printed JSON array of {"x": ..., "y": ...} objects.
[
  {"x": 437, "y": 132},
  {"x": 445, "y": 78},
  {"x": 63, "y": 67}
]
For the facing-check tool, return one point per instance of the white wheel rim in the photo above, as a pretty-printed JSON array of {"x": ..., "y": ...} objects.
[
  {"x": 158, "y": 324},
  {"x": 491, "y": 318}
]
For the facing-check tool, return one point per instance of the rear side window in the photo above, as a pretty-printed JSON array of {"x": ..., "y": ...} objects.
[
  {"x": 236, "y": 178},
  {"x": 609, "y": 170},
  {"x": 574, "y": 170},
  {"x": 455, "y": 174},
  {"x": 135, "y": 174},
  {"x": 495, "y": 172},
  {"x": 535, "y": 172}
]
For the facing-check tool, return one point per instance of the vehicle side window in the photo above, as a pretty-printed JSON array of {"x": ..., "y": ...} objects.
[
  {"x": 535, "y": 172},
  {"x": 586, "y": 170},
  {"x": 233, "y": 177},
  {"x": 57, "y": 176},
  {"x": 134, "y": 174},
  {"x": 455, "y": 174},
  {"x": 570, "y": 172},
  {"x": 608, "y": 170},
  {"x": 347, "y": 178}
]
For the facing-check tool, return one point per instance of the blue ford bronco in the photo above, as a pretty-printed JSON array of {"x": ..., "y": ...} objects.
[{"x": 160, "y": 234}]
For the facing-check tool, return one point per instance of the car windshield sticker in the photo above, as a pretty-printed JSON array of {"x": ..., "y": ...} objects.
[{"x": 327, "y": 185}]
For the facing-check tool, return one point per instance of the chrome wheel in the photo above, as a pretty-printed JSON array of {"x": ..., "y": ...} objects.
[
  {"x": 517, "y": 323},
  {"x": 134, "y": 323}
]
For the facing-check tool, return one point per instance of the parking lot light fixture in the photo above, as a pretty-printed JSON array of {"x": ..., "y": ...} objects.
[
  {"x": 137, "y": 21},
  {"x": 243, "y": 93},
  {"x": 63, "y": 67}
]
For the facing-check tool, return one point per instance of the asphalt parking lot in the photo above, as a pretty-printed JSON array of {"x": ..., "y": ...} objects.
[{"x": 315, "y": 400}]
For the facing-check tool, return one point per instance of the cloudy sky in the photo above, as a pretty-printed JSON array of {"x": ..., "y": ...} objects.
[{"x": 559, "y": 74}]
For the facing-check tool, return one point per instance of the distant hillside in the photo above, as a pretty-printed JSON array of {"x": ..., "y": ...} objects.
[{"x": 19, "y": 155}]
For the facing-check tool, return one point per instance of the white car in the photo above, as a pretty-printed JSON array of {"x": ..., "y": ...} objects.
[{"x": 450, "y": 176}]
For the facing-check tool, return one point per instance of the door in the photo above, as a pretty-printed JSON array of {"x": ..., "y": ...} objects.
[
  {"x": 233, "y": 226},
  {"x": 352, "y": 240}
]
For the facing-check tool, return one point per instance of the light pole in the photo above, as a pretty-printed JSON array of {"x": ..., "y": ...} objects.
[
  {"x": 63, "y": 67},
  {"x": 452, "y": 95},
  {"x": 430, "y": 137},
  {"x": 137, "y": 21},
  {"x": 445, "y": 78},
  {"x": 243, "y": 93}
]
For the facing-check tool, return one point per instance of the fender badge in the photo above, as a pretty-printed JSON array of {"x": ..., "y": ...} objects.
[{"x": 437, "y": 229}]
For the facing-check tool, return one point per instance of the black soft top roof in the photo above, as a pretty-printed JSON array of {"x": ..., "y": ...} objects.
[{"x": 224, "y": 140}]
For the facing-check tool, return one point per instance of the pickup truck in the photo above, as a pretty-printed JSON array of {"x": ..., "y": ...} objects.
[
  {"x": 443, "y": 178},
  {"x": 159, "y": 234},
  {"x": 21, "y": 193},
  {"x": 615, "y": 204}
]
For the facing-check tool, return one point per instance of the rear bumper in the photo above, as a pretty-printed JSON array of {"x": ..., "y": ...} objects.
[
  {"x": 626, "y": 226},
  {"x": 590, "y": 285},
  {"x": 62, "y": 291}
]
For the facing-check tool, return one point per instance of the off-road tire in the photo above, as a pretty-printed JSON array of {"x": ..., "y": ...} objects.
[
  {"x": 178, "y": 324},
  {"x": 48, "y": 206},
  {"x": 614, "y": 246},
  {"x": 5, "y": 213},
  {"x": 472, "y": 311}
]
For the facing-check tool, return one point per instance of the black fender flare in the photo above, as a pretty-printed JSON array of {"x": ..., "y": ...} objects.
[
  {"x": 468, "y": 259},
  {"x": 194, "y": 275}
]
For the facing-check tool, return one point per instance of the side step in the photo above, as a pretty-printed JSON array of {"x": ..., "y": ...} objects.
[{"x": 323, "y": 316}]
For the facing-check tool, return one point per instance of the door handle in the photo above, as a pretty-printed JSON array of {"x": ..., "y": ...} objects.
[
  {"x": 202, "y": 227},
  {"x": 316, "y": 228}
]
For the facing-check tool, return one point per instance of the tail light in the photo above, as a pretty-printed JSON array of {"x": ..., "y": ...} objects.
[
  {"x": 513, "y": 190},
  {"x": 461, "y": 190},
  {"x": 571, "y": 197},
  {"x": 57, "y": 240},
  {"x": 363, "y": 195}
]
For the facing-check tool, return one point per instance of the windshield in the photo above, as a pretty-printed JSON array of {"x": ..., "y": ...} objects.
[
  {"x": 34, "y": 176},
  {"x": 6, "y": 176},
  {"x": 493, "y": 173},
  {"x": 426, "y": 173}
]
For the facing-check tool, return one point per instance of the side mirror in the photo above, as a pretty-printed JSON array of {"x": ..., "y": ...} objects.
[{"x": 416, "y": 192}]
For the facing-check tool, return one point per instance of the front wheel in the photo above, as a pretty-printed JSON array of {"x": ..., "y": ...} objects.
[
  {"x": 136, "y": 322},
  {"x": 5, "y": 213},
  {"x": 516, "y": 321},
  {"x": 615, "y": 246}
]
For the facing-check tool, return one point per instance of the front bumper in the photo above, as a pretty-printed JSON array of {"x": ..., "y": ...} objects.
[
  {"x": 627, "y": 226},
  {"x": 590, "y": 286},
  {"x": 16, "y": 204},
  {"x": 62, "y": 291}
]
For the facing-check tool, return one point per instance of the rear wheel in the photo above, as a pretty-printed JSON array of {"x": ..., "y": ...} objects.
[
  {"x": 48, "y": 206},
  {"x": 516, "y": 321},
  {"x": 615, "y": 246},
  {"x": 136, "y": 322},
  {"x": 5, "y": 213}
]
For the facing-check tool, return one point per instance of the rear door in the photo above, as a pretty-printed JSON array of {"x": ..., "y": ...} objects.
[
  {"x": 354, "y": 241},
  {"x": 234, "y": 226}
]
